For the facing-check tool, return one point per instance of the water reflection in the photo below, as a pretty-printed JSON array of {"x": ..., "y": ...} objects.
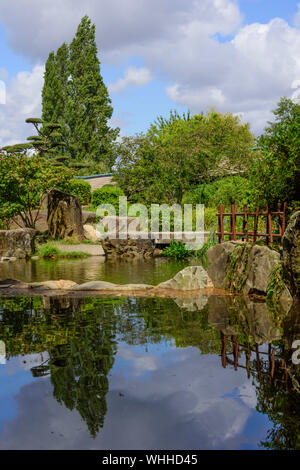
[
  {"x": 152, "y": 271},
  {"x": 83, "y": 336}
]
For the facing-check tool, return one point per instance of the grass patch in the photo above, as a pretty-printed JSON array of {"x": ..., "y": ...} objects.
[{"x": 51, "y": 251}]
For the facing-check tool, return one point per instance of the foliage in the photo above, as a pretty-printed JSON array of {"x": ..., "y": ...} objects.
[
  {"x": 108, "y": 194},
  {"x": 179, "y": 152},
  {"x": 75, "y": 95},
  {"x": 50, "y": 250},
  {"x": 226, "y": 191},
  {"x": 81, "y": 189},
  {"x": 202, "y": 252},
  {"x": 23, "y": 180},
  {"x": 54, "y": 93},
  {"x": 176, "y": 250},
  {"x": 274, "y": 176},
  {"x": 276, "y": 284},
  {"x": 46, "y": 142}
]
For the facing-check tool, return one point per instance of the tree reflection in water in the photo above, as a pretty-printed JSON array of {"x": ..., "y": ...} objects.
[{"x": 81, "y": 337}]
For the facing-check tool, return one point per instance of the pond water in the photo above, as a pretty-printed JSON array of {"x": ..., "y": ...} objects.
[
  {"x": 144, "y": 373},
  {"x": 152, "y": 271}
]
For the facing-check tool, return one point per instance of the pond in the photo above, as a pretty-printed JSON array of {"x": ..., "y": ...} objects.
[
  {"x": 95, "y": 268},
  {"x": 144, "y": 373}
]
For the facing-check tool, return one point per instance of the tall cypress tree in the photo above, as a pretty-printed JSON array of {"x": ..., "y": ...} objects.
[
  {"x": 75, "y": 96},
  {"x": 55, "y": 93},
  {"x": 89, "y": 105}
]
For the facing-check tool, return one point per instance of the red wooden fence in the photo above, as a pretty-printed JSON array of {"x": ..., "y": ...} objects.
[{"x": 252, "y": 235}]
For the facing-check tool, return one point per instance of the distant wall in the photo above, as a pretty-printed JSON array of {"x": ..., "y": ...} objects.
[{"x": 97, "y": 181}]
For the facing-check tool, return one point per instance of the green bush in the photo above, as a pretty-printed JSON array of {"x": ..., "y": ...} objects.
[
  {"x": 48, "y": 251},
  {"x": 81, "y": 189},
  {"x": 226, "y": 191},
  {"x": 176, "y": 250},
  {"x": 108, "y": 194},
  {"x": 200, "y": 194}
]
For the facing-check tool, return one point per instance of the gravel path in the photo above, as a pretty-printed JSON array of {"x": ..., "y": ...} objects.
[{"x": 93, "y": 250}]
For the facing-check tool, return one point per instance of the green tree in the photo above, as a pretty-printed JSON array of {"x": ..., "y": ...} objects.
[
  {"x": 54, "y": 93},
  {"x": 180, "y": 152},
  {"x": 23, "y": 180},
  {"x": 88, "y": 106},
  {"x": 275, "y": 173}
]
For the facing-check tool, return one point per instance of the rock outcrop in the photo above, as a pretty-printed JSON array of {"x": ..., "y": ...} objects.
[
  {"x": 17, "y": 243},
  {"x": 64, "y": 215},
  {"x": 190, "y": 278},
  {"x": 291, "y": 255},
  {"x": 242, "y": 267},
  {"x": 128, "y": 248}
]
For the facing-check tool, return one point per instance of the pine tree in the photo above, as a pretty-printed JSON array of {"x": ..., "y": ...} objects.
[{"x": 89, "y": 105}]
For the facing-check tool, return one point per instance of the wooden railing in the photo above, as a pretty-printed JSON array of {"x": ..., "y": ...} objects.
[{"x": 254, "y": 234}]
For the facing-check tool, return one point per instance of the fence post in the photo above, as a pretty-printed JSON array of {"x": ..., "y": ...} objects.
[
  {"x": 269, "y": 227},
  {"x": 283, "y": 217},
  {"x": 255, "y": 224},
  {"x": 221, "y": 224},
  {"x": 245, "y": 223},
  {"x": 279, "y": 219},
  {"x": 232, "y": 224}
]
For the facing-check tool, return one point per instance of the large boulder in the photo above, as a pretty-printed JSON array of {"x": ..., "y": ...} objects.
[
  {"x": 291, "y": 255},
  {"x": 190, "y": 278},
  {"x": 242, "y": 267},
  {"x": 64, "y": 215},
  {"x": 17, "y": 243},
  {"x": 218, "y": 261},
  {"x": 261, "y": 262}
]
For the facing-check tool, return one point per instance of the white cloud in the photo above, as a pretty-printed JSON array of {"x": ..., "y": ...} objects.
[
  {"x": 297, "y": 17},
  {"x": 177, "y": 41},
  {"x": 23, "y": 100},
  {"x": 133, "y": 77}
]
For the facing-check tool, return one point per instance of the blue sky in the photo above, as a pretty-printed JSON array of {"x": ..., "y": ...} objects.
[{"x": 238, "y": 56}]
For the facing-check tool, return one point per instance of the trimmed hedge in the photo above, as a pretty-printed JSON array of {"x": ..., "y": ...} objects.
[
  {"x": 108, "y": 194},
  {"x": 81, "y": 189}
]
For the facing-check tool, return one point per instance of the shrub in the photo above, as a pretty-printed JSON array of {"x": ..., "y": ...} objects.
[
  {"x": 81, "y": 189},
  {"x": 176, "y": 250},
  {"x": 108, "y": 194},
  {"x": 48, "y": 251},
  {"x": 226, "y": 191}
]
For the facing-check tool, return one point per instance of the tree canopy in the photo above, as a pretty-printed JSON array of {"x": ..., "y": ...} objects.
[
  {"x": 275, "y": 173},
  {"x": 180, "y": 152}
]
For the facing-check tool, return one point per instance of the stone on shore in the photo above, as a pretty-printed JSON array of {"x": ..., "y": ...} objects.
[
  {"x": 52, "y": 285},
  {"x": 190, "y": 278},
  {"x": 94, "y": 285},
  {"x": 91, "y": 233},
  {"x": 242, "y": 267},
  {"x": 17, "y": 243}
]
